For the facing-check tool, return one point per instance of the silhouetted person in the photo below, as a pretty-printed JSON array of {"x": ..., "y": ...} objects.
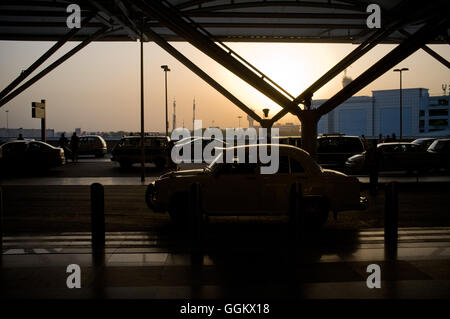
[
  {"x": 365, "y": 142},
  {"x": 62, "y": 142},
  {"x": 394, "y": 138},
  {"x": 387, "y": 139},
  {"x": 20, "y": 137},
  {"x": 74, "y": 144},
  {"x": 380, "y": 138}
]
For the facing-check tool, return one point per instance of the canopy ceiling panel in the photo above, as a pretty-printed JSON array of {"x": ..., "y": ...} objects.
[{"x": 332, "y": 21}]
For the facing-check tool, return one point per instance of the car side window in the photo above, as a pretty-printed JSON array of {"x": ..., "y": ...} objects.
[
  {"x": 296, "y": 167},
  {"x": 34, "y": 147}
]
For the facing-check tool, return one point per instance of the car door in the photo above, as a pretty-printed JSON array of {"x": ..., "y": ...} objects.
[
  {"x": 83, "y": 147},
  {"x": 37, "y": 154},
  {"x": 390, "y": 157},
  {"x": 275, "y": 188},
  {"x": 234, "y": 189}
]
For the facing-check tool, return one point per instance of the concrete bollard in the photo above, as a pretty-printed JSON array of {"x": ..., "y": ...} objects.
[
  {"x": 98, "y": 217},
  {"x": 1, "y": 220},
  {"x": 195, "y": 218},
  {"x": 391, "y": 215}
]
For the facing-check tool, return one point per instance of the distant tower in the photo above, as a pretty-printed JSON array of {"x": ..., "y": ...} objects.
[
  {"x": 346, "y": 79},
  {"x": 174, "y": 120},
  {"x": 250, "y": 121},
  {"x": 193, "y": 115}
]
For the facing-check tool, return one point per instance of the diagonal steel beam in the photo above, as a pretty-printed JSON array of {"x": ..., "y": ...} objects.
[
  {"x": 402, "y": 51},
  {"x": 435, "y": 55},
  {"x": 42, "y": 59},
  {"x": 172, "y": 20},
  {"x": 180, "y": 57},
  {"x": 353, "y": 56},
  {"x": 52, "y": 66},
  {"x": 430, "y": 51}
]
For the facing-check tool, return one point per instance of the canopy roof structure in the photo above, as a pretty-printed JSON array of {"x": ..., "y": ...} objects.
[
  {"x": 331, "y": 21},
  {"x": 208, "y": 24}
]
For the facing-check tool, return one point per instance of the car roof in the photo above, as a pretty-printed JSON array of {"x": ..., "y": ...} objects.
[
  {"x": 26, "y": 141},
  {"x": 337, "y": 136},
  {"x": 147, "y": 136},
  {"x": 395, "y": 143}
]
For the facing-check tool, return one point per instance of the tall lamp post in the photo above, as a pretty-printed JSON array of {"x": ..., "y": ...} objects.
[
  {"x": 166, "y": 69},
  {"x": 7, "y": 123},
  {"x": 401, "y": 119}
]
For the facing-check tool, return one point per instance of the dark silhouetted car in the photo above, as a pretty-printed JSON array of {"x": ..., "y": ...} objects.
[
  {"x": 92, "y": 145},
  {"x": 396, "y": 156},
  {"x": 240, "y": 189},
  {"x": 424, "y": 143},
  {"x": 441, "y": 149},
  {"x": 30, "y": 154},
  {"x": 128, "y": 151},
  {"x": 333, "y": 150}
]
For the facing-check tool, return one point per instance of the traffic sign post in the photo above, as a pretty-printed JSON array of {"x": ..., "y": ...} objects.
[{"x": 38, "y": 111}]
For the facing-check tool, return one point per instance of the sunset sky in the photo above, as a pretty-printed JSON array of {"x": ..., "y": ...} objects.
[{"x": 98, "y": 88}]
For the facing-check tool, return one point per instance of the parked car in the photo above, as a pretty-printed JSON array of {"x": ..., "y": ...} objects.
[
  {"x": 128, "y": 151},
  {"x": 395, "y": 156},
  {"x": 441, "y": 149},
  {"x": 334, "y": 149},
  {"x": 239, "y": 188},
  {"x": 92, "y": 145},
  {"x": 424, "y": 143},
  {"x": 30, "y": 154}
]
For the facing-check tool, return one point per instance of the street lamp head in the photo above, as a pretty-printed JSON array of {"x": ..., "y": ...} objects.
[
  {"x": 400, "y": 70},
  {"x": 165, "y": 68}
]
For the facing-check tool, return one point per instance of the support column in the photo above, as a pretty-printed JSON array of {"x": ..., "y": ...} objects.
[
  {"x": 309, "y": 120},
  {"x": 142, "y": 112}
]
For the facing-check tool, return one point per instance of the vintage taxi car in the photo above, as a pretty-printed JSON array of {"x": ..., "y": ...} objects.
[{"x": 237, "y": 189}]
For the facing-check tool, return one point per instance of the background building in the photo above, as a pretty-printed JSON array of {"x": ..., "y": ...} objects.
[{"x": 423, "y": 115}]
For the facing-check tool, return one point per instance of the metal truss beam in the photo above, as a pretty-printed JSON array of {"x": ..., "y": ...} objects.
[
  {"x": 264, "y": 3},
  {"x": 184, "y": 60},
  {"x": 42, "y": 59},
  {"x": 52, "y": 66},
  {"x": 353, "y": 56},
  {"x": 177, "y": 24},
  {"x": 401, "y": 52}
]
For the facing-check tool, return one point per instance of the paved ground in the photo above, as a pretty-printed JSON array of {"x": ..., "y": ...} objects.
[
  {"x": 158, "y": 265},
  {"x": 47, "y": 218},
  {"x": 57, "y": 208}
]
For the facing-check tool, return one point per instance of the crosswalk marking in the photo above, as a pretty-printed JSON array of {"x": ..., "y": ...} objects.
[{"x": 127, "y": 241}]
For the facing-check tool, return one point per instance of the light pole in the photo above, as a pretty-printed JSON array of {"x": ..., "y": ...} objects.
[
  {"x": 401, "y": 119},
  {"x": 166, "y": 69},
  {"x": 7, "y": 124}
]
